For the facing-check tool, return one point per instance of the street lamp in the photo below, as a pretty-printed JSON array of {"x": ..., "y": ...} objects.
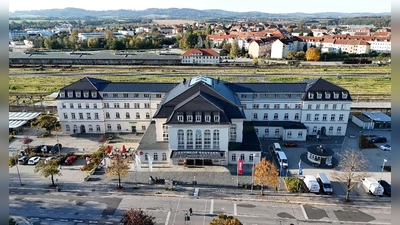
[
  {"x": 383, "y": 166},
  {"x": 19, "y": 176}
]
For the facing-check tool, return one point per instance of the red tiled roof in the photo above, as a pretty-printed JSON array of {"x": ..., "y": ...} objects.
[{"x": 202, "y": 51}]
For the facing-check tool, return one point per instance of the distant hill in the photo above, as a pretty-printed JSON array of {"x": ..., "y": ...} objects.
[{"x": 176, "y": 13}]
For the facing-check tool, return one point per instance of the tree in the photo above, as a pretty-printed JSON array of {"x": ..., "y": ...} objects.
[
  {"x": 45, "y": 121},
  {"x": 118, "y": 167},
  {"x": 291, "y": 55},
  {"x": 137, "y": 217},
  {"x": 352, "y": 167},
  {"x": 49, "y": 169},
  {"x": 255, "y": 61},
  {"x": 234, "y": 49},
  {"x": 207, "y": 43},
  {"x": 223, "y": 219},
  {"x": 313, "y": 54},
  {"x": 265, "y": 173},
  {"x": 301, "y": 55}
]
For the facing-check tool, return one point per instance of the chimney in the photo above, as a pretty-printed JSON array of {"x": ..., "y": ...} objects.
[{"x": 184, "y": 80}]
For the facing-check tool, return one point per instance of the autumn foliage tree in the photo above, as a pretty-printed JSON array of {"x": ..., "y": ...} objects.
[
  {"x": 352, "y": 168},
  {"x": 118, "y": 167},
  {"x": 45, "y": 121},
  {"x": 48, "y": 169},
  {"x": 223, "y": 219},
  {"x": 102, "y": 139},
  {"x": 137, "y": 217},
  {"x": 313, "y": 54},
  {"x": 265, "y": 174}
]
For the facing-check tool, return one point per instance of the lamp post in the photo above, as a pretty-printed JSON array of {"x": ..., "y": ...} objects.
[
  {"x": 383, "y": 166},
  {"x": 19, "y": 176}
]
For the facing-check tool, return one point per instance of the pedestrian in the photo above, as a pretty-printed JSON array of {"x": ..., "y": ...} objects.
[{"x": 190, "y": 211}]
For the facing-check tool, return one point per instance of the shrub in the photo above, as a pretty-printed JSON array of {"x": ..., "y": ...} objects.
[
  {"x": 12, "y": 160},
  {"x": 10, "y": 137},
  {"x": 26, "y": 140},
  {"x": 294, "y": 184}
]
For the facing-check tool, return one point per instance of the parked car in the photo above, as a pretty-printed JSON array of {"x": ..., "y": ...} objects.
[
  {"x": 23, "y": 160},
  {"x": 387, "y": 188},
  {"x": 291, "y": 144},
  {"x": 38, "y": 149},
  {"x": 49, "y": 159},
  {"x": 61, "y": 159},
  {"x": 34, "y": 160},
  {"x": 386, "y": 147},
  {"x": 378, "y": 139},
  {"x": 56, "y": 148},
  {"x": 70, "y": 160}
]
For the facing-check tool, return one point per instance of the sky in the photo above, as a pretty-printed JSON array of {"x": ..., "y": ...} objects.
[{"x": 268, "y": 6}]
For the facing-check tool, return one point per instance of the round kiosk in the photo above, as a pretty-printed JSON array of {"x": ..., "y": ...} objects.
[{"x": 320, "y": 155}]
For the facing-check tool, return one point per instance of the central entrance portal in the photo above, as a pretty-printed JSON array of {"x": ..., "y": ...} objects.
[{"x": 199, "y": 162}]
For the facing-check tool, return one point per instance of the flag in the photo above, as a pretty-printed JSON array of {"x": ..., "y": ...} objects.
[
  {"x": 300, "y": 169},
  {"x": 137, "y": 162},
  {"x": 240, "y": 166},
  {"x": 150, "y": 163},
  {"x": 123, "y": 149},
  {"x": 108, "y": 149}
]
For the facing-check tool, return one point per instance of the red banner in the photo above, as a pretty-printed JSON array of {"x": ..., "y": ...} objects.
[{"x": 240, "y": 166}]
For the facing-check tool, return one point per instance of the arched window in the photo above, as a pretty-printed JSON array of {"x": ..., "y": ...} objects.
[
  {"x": 118, "y": 126},
  {"x": 314, "y": 130},
  {"x": 127, "y": 116},
  {"x": 107, "y": 115},
  {"x": 75, "y": 128},
  {"x": 289, "y": 134},
  {"x": 147, "y": 115},
  {"x": 207, "y": 139},
  {"x": 146, "y": 156},
  {"x": 251, "y": 158},
  {"x": 67, "y": 128},
  {"x": 266, "y": 132},
  {"x": 90, "y": 128},
  {"x": 189, "y": 142},
  {"x": 330, "y": 130},
  {"x": 181, "y": 139},
  {"x": 300, "y": 134},
  {"x": 199, "y": 139},
  {"x": 117, "y": 116},
  {"x": 275, "y": 116},
  {"x": 296, "y": 116},
  {"x": 233, "y": 157},
  {"x": 164, "y": 156},
  {"x": 256, "y": 130},
  {"x": 339, "y": 129},
  {"x": 277, "y": 132},
  {"x": 109, "y": 127},
  {"x": 155, "y": 157},
  {"x": 98, "y": 128},
  {"x": 137, "y": 115},
  {"x": 216, "y": 139},
  {"x": 242, "y": 157}
]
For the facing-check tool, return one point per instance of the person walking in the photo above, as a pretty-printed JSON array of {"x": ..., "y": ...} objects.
[{"x": 190, "y": 211}]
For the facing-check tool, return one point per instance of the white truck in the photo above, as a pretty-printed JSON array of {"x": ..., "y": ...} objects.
[
  {"x": 372, "y": 186},
  {"x": 311, "y": 183}
]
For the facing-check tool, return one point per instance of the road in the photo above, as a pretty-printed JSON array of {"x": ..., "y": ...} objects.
[{"x": 44, "y": 207}]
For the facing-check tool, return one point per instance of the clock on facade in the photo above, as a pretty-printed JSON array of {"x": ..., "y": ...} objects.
[{"x": 198, "y": 132}]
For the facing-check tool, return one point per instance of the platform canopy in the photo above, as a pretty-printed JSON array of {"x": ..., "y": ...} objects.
[
  {"x": 16, "y": 123},
  {"x": 17, "y": 119}
]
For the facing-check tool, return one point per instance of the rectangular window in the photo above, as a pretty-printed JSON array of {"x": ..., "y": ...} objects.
[
  {"x": 265, "y": 116},
  {"x": 326, "y": 106},
  {"x": 63, "y": 105},
  {"x": 298, "y": 95},
  {"x": 343, "y": 106},
  {"x": 341, "y": 117},
  {"x": 324, "y": 117},
  {"x": 309, "y": 106},
  {"x": 106, "y": 105},
  {"x": 94, "y": 105},
  {"x": 276, "y": 106},
  {"x": 334, "y": 106},
  {"x": 288, "y": 96},
  {"x": 79, "y": 105},
  {"x": 286, "y": 117},
  {"x": 243, "y": 96},
  {"x": 158, "y": 95},
  {"x": 125, "y": 95},
  {"x": 244, "y": 106},
  {"x": 143, "y": 127},
  {"x": 308, "y": 117},
  {"x": 333, "y": 117},
  {"x": 266, "y": 106},
  {"x": 136, "y": 95},
  {"x": 71, "y": 105},
  {"x": 146, "y": 95},
  {"x": 216, "y": 118},
  {"x": 147, "y": 105},
  {"x": 88, "y": 116},
  {"x": 255, "y": 116},
  {"x": 316, "y": 117},
  {"x": 266, "y": 95},
  {"x": 81, "y": 116},
  {"x": 73, "y": 116},
  {"x": 277, "y": 95},
  {"x": 116, "y": 105},
  {"x": 207, "y": 118},
  {"x": 136, "y": 105},
  {"x": 255, "y": 106},
  {"x": 86, "y": 94},
  {"x": 287, "y": 106},
  {"x": 297, "y": 106},
  {"x": 65, "y": 116},
  {"x": 275, "y": 116},
  {"x": 96, "y": 116},
  {"x": 105, "y": 95},
  {"x": 126, "y": 105},
  {"x": 94, "y": 94},
  {"x": 87, "y": 105},
  {"x": 78, "y": 94},
  {"x": 115, "y": 95},
  {"x": 180, "y": 118},
  {"x": 198, "y": 116}
]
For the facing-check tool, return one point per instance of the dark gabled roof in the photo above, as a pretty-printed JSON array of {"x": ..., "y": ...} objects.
[
  {"x": 149, "y": 140},
  {"x": 320, "y": 85},
  {"x": 86, "y": 84},
  {"x": 266, "y": 87},
  {"x": 138, "y": 87}
]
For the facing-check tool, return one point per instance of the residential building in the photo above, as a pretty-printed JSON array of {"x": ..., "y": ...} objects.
[
  {"x": 204, "y": 120},
  {"x": 201, "y": 56}
]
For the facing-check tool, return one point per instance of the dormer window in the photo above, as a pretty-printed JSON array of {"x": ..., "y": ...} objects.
[
  {"x": 344, "y": 95},
  {"x": 207, "y": 118},
  {"x": 319, "y": 95},
  {"x": 180, "y": 117},
  {"x": 335, "y": 95},
  {"x": 327, "y": 95},
  {"x": 198, "y": 116},
  {"x": 94, "y": 94},
  {"x": 189, "y": 118},
  {"x": 105, "y": 95},
  {"x": 78, "y": 94},
  {"x": 70, "y": 94},
  {"x": 86, "y": 94},
  {"x": 310, "y": 95},
  {"x": 62, "y": 94},
  {"x": 216, "y": 118}
]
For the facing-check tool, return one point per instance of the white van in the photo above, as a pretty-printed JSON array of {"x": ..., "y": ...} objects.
[
  {"x": 372, "y": 186},
  {"x": 325, "y": 183},
  {"x": 311, "y": 183},
  {"x": 276, "y": 147},
  {"x": 282, "y": 159}
]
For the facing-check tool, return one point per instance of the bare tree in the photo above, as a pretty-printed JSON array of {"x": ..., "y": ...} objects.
[
  {"x": 352, "y": 168},
  {"x": 137, "y": 216},
  {"x": 265, "y": 173},
  {"x": 118, "y": 167}
]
